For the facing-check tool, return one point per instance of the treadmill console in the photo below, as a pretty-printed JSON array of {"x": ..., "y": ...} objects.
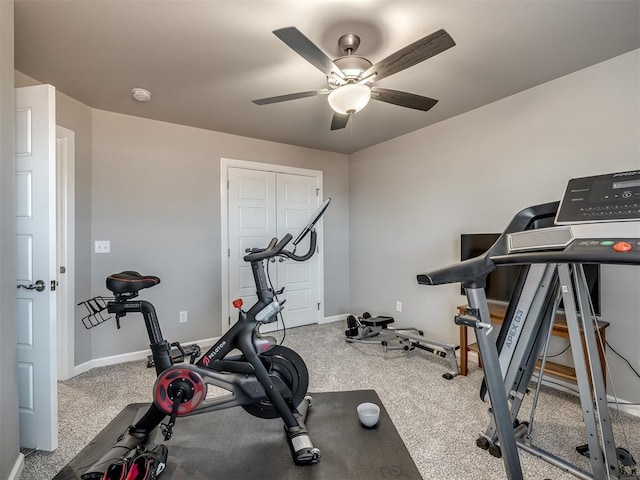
[
  {"x": 597, "y": 220},
  {"x": 614, "y": 197}
]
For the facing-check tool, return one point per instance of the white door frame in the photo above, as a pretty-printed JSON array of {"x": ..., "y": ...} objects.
[
  {"x": 65, "y": 177},
  {"x": 225, "y": 163}
]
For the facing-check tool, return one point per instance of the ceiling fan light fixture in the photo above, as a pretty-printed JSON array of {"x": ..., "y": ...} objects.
[{"x": 350, "y": 98}]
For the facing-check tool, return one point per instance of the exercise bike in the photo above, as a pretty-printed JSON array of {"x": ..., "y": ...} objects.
[{"x": 266, "y": 379}]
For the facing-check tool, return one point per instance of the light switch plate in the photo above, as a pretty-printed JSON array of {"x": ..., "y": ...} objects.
[{"x": 102, "y": 246}]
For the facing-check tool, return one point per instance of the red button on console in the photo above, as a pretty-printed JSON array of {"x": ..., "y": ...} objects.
[{"x": 622, "y": 247}]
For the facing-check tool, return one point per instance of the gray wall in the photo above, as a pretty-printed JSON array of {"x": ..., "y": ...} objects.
[
  {"x": 9, "y": 439},
  {"x": 472, "y": 173},
  {"x": 156, "y": 197}
]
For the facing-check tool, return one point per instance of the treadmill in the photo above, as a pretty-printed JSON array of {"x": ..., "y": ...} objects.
[{"x": 596, "y": 222}]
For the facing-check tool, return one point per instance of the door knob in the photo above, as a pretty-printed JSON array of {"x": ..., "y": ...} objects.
[{"x": 38, "y": 286}]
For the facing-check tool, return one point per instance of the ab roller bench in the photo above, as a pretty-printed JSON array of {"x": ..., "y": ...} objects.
[{"x": 376, "y": 330}]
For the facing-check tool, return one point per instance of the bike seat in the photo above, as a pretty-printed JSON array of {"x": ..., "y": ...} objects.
[{"x": 130, "y": 282}]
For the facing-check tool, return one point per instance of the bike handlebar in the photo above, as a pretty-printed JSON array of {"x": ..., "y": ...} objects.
[
  {"x": 276, "y": 248},
  {"x": 306, "y": 256}
]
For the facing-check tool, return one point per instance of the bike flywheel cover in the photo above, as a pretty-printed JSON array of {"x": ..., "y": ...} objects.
[
  {"x": 174, "y": 378},
  {"x": 290, "y": 369}
]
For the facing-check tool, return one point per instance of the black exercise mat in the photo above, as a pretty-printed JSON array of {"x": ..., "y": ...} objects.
[{"x": 233, "y": 445}]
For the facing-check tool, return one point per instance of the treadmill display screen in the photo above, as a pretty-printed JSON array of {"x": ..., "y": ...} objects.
[
  {"x": 626, "y": 184},
  {"x": 603, "y": 198}
]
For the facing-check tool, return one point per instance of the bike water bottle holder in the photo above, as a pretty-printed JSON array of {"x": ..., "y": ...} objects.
[{"x": 95, "y": 307}]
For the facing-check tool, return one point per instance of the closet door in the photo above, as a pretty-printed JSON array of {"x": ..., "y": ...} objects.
[
  {"x": 252, "y": 223},
  {"x": 297, "y": 200},
  {"x": 263, "y": 205}
]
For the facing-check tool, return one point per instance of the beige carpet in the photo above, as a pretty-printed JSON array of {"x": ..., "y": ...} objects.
[{"x": 438, "y": 420}]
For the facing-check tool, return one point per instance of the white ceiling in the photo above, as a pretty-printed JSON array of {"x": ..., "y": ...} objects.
[{"x": 205, "y": 60}]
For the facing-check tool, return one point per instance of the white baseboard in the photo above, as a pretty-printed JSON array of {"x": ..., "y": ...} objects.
[
  {"x": 15, "y": 472},
  {"x": 130, "y": 357},
  {"x": 570, "y": 387},
  {"x": 627, "y": 407},
  {"x": 334, "y": 318},
  {"x": 142, "y": 354}
]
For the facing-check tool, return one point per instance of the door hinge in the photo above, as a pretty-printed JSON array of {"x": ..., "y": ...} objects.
[
  {"x": 317, "y": 192},
  {"x": 227, "y": 184},
  {"x": 318, "y": 305},
  {"x": 228, "y": 252}
]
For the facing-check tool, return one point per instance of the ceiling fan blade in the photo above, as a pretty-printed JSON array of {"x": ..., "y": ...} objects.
[
  {"x": 290, "y": 96},
  {"x": 308, "y": 50},
  {"x": 412, "y": 54},
  {"x": 339, "y": 121},
  {"x": 403, "y": 99}
]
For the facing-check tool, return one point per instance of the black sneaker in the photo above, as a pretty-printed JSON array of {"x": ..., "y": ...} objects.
[
  {"x": 149, "y": 464},
  {"x": 120, "y": 468}
]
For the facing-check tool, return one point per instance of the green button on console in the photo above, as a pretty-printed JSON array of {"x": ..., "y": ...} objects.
[{"x": 606, "y": 243}]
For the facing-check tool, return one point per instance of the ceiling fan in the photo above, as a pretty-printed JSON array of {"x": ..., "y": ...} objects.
[{"x": 351, "y": 78}]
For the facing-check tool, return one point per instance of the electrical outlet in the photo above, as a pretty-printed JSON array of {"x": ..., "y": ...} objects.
[
  {"x": 102, "y": 246},
  {"x": 398, "y": 306},
  {"x": 183, "y": 317}
]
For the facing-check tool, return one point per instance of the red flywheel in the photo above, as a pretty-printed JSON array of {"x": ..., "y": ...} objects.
[{"x": 192, "y": 390}]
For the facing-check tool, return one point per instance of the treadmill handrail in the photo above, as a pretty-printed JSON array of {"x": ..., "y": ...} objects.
[
  {"x": 473, "y": 272},
  {"x": 569, "y": 256}
]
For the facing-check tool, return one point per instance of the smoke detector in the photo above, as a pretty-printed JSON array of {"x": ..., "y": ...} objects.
[{"x": 141, "y": 95}]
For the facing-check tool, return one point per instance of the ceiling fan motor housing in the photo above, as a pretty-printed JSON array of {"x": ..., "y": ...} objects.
[{"x": 352, "y": 67}]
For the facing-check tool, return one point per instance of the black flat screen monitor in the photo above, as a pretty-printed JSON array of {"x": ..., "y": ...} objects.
[
  {"x": 313, "y": 219},
  {"x": 501, "y": 282}
]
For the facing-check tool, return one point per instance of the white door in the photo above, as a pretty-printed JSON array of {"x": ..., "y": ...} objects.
[
  {"x": 296, "y": 200},
  {"x": 36, "y": 264},
  {"x": 262, "y": 205},
  {"x": 252, "y": 223}
]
